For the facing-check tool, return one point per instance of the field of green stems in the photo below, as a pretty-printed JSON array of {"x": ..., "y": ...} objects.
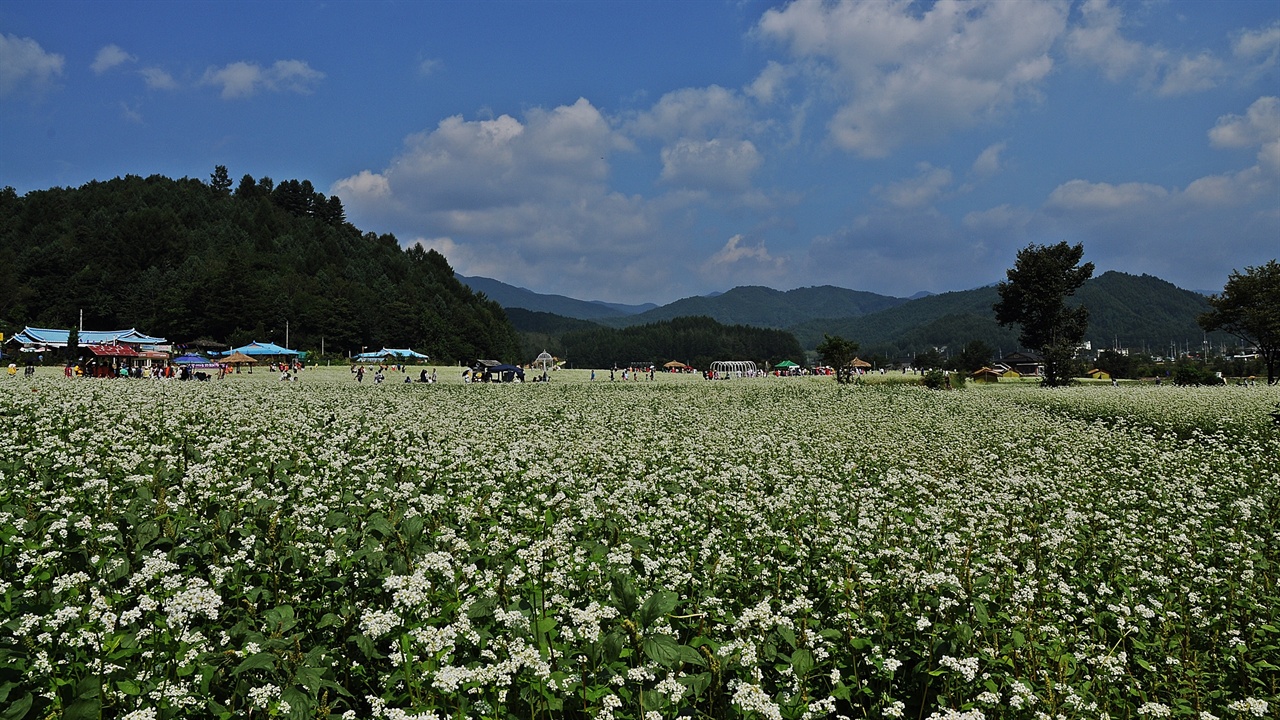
[{"x": 762, "y": 548}]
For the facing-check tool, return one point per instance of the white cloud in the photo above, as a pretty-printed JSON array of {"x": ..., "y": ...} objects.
[
  {"x": 696, "y": 113},
  {"x": 243, "y": 79},
  {"x": 919, "y": 191},
  {"x": 523, "y": 200},
  {"x": 1232, "y": 189},
  {"x": 1259, "y": 125},
  {"x": 429, "y": 67},
  {"x": 903, "y": 74},
  {"x": 1084, "y": 195},
  {"x": 1099, "y": 41},
  {"x": 24, "y": 62},
  {"x": 712, "y": 164},
  {"x": 1000, "y": 220},
  {"x": 734, "y": 251},
  {"x": 768, "y": 85},
  {"x": 132, "y": 114},
  {"x": 744, "y": 262},
  {"x": 988, "y": 162},
  {"x": 1263, "y": 43},
  {"x": 158, "y": 79},
  {"x": 108, "y": 57}
]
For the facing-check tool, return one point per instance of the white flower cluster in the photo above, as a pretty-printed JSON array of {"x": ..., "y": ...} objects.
[
  {"x": 1250, "y": 706},
  {"x": 750, "y": 698},
  {"x": 967, "y": 667},
  {"x": 376, "y": 623}
]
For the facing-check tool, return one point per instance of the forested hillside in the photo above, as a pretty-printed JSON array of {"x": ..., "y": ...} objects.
[
  {"x": 512, "y": 297},
  {"x": 695, "y": 340},
  {"x": 1131, "y": 311},
  {"x": 766, "y": 307},
  {"x": 187, "y": 259}
]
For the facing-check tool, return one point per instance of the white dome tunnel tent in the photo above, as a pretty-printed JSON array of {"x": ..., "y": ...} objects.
[
  {"x": 727, "y": 369},
  {"x": 546, "y": 362}
]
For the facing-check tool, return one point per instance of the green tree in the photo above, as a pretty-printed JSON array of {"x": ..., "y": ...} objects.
[
  {"x": 1117, "y": 364},
  {"x": 220, "y": 180},
  {"x": 930, "y": 359},
  {"x": 1249, "y": 308},
  {"x": 836, "y": 352},
  {"x": 974, "y": 356},
  {"x": 1035, "y": 298},
  {"x": 73, "y": 344}
]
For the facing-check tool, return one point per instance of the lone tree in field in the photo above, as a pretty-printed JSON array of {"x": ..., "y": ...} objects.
[
  {"x": 836, "y": 352},
  {"x": 1249, "y": 308},
  {"x": 1035, "y": 298}
]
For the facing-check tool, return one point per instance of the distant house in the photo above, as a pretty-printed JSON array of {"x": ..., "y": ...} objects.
[
  {"x": 1098, "y": 374},
  {"x": 1024, "y": 363},
  {"x": 30, "y": 337},
  {"x": 987, "y": 375}
]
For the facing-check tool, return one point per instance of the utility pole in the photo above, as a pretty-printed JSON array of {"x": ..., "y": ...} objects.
[{"x": 286, "y": 333}]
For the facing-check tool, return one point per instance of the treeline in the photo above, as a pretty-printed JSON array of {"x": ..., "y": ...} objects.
[
  {"x": 698, "y": 341},
  {"x": 190, "y": 260}
]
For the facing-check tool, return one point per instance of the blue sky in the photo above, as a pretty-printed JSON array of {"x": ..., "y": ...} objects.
[{"x": 647, "y": 151}]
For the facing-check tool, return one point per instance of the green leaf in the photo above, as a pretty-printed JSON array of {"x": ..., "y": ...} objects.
[
  {"x": 481, "y": 608},
  {"x": 612, "y": 647},
  {"x": 660, "y": 603},
  {"x": 301, "y": 705},
  {"x": 327, "y": 620},
  {"x": 544, "y": 625},
  {"x": 662, "y": 649},
  {"x": 624, "y": 591},
  {"x": 802, "y": 662},
  {"x": 89, "y": 708},
  {"x": 697, "y": 684},
  {"x": 311, "y": 678},
  {"x": 411, "y": 528},
  {"x": 1019, "y": 639},
  {"x": 689, "y": 656},
  {"x": 281, "y": 618},
  {"x": 257, "y": 661},
  {"x": 146, "y": 533},
  {"x": 19, "y": 709},
  {"x": 788, "y": 635},
  {"x": 980, "y": 612}
]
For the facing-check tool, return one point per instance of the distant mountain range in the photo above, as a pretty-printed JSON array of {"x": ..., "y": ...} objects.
[
  {"x": 510, "y": 296},
  {"x": 1141, "y": 312}
]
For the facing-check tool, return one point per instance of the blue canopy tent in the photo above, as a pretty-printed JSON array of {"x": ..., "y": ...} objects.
[
  {"x": 394, "y": 354},
  {"x": 257, "y": 349}
]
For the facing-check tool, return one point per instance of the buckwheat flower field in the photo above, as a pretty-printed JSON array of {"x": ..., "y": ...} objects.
[{"x": 743, "y": 549}]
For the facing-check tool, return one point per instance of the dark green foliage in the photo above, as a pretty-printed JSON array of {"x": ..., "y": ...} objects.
[
  {"x": 1195, "y": 374},
  {"x": 1118, "y": 365},
  {"x": 698, "y": 341},
  {"x": 185, "y": 260},
  {"x": 930, "y": 359},
  {"x": 1035, "y": 298},
  {"x": 220, "y": 181},
  {"x": 541, "y": 331},
  {"x": 837, "y": 352},
  {"x": 975, "y": 355},
  {"x": 1135, "y": 311},
  {"x": 1249, "y": 308},
  {"x": 765, "y": 307},
  {"x": 72, "y": 351}
]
